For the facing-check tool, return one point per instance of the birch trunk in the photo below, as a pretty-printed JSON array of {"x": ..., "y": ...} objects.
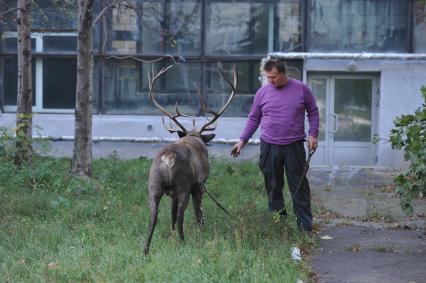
[
  {"x": 81, "y": 163},
  {"x": 24, "y": 111}
]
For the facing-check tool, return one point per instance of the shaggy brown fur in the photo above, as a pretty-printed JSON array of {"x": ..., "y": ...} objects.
[{"x": 178, "y": 170}]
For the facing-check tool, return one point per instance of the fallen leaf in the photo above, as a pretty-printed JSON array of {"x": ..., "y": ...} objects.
[{"x": 355, "y": 248}]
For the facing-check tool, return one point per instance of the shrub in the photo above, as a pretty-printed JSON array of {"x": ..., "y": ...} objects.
[{"x": 409, "y": 135}]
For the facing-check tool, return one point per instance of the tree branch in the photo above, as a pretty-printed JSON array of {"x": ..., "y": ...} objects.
[
  {"x": 115, "y": 4},
  {"x": 8, "y": 11},
  {"x": 101, "y": 13}
]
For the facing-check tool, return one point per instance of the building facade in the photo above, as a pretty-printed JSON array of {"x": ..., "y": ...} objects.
[{"x": 365, "y": 61}]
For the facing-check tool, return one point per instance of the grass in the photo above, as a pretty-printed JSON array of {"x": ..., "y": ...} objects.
[{"x": 55, "y": 227}]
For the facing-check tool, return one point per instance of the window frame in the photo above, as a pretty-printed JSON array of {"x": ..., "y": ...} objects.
[{"x": 38, "y": 56}]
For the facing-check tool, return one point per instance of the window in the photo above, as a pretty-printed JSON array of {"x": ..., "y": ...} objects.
[
  {"x": 253, "y": 27},
  {"x": 356, "y": 26},
  {"x": 173, "y": 27},
  {"x": 238, "y": 28},
  {"x": 54, "y": 78},
  {"x": 11, "y": 78},
  {"x": 218, "y": 90},
  {"x": 419, "y": 29},
  {"x": 126, "y": 88},
  {"x": 156, "y": 28},
  {"x": 10, "y": 44},
  {"x": 289, "y": 25},
  {"x": 59, "y": 43},
  {"x": 59, "y": 83}
]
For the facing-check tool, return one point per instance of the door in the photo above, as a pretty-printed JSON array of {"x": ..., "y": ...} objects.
[{"x": 348, "y": 109}]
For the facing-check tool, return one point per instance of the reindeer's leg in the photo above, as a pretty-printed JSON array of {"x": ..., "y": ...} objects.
[
  {"x": 183, "y": 199},
  {"x": 197, "y": 196},
  {"x": 174, "y": 211},
  {"x": 154, "y": 200}
]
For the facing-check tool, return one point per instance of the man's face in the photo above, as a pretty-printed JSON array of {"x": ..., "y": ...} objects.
[{"x": 276, "y": 78}]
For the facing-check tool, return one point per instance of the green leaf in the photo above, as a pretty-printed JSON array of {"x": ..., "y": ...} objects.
[{"x": 409, "y": 135}]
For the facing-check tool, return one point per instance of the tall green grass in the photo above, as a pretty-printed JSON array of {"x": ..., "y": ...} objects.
[{"x": 55, "y": 227}]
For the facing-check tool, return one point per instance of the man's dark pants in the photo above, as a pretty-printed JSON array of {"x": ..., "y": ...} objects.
[{"x": 292, "y": 157}]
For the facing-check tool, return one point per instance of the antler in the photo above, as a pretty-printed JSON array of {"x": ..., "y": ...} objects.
[
  {"x": 233, "y": 86},
  {"x": 152, "y": 77}
]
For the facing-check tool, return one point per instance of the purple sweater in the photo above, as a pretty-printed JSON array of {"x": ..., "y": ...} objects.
[{"x": 281, "y": 113}]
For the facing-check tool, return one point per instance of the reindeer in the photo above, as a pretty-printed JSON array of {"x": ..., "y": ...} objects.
[{"x": 181, "y": 168}]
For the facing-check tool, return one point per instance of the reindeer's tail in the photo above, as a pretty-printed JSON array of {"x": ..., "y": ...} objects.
[{"x": 167, "y": 163}]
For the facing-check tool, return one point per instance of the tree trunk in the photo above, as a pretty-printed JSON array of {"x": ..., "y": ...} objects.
[
  {"x": 81, "y": 163},
  {"x": 24, "y": 111}
]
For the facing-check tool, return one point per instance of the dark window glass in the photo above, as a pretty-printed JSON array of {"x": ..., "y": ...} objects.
[
  {"x": 96, "y": 84},
  {"x": 10, "y": 44},
  {"x": 171, "y": 26},
  {"x": 355, "y": 26},
  {"x": 11, "y": 81},
  {"x": 59, "y": 43},
  {"x": 238, "y": 28},
  {"x": 289, "y": 19},
  {"x": 156, "y": 27},
  {"x": 126, "y": 88},
  {"x": 352, "y": 104},
  {"x": 218, "y": 90},
  {"x": 419, "y": 31},
  {"x": 122, "y": 92},
  {"x": 319, "y": 89},
  {"x": 59, "y": 83}
]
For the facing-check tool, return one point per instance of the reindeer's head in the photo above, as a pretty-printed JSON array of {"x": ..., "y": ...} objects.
[{"x": 182, "y": 132}]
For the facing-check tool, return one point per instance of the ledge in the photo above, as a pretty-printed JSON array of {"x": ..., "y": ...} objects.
[{"x": 352, "y": 56}]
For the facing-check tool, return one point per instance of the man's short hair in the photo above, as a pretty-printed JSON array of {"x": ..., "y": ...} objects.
[{"x": 275, "y": 63}]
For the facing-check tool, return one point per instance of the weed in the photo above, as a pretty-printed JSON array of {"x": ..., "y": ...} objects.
[
  {"x": 383, "y": 249},
  {"x": 377, "y": 214},
  {"x": 353, "y": 248}
]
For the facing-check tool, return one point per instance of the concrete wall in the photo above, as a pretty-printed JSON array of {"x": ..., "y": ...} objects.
[
  {"x": 131, "y": 136},
  {"x": 123, "y": 126},
  {"x": 400, "y": 94}
]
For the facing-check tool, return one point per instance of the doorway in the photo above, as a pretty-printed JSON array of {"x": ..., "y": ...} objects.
[{"x": 348, "y": 106}]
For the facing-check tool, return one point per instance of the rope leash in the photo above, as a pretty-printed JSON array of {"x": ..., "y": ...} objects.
[
  {"x": 305, "y": 170},
  {"x": 218, "y": 204}
]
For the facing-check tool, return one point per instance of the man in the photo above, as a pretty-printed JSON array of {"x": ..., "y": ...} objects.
[{"x": 279, "y": 108}]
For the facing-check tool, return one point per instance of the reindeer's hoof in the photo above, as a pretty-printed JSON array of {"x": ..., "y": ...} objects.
[{"x": 146, "y": 251}]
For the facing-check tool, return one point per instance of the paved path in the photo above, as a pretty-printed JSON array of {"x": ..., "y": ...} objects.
[{"x": 363, "y": 234}]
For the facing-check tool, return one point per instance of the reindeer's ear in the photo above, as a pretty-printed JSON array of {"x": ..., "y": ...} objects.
[
  {"x": 207, "y": 138},
  {"x": 181, "y": 134}
]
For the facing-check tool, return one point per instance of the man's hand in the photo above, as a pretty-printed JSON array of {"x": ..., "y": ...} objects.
[
  {"x": 312, "y": 143},
  {"x": 235, "y": 152}
]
